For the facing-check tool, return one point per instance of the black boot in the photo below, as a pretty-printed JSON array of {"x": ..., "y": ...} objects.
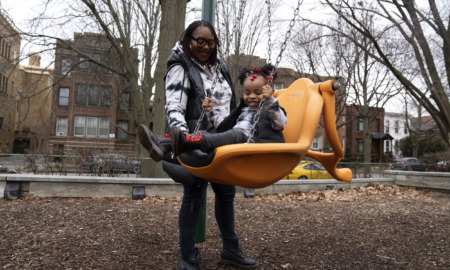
[
  {"x": 184, "y": 142},
  {"x": 232, "y": 255},
  {"x": 192, "y": 263},
  {"x": 155, "y": 145}
]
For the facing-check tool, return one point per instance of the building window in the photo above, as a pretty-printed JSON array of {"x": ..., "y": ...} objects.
[
  {"x": 405, "y": 128},
  {"x": 396, "y": 127},
  {"x": 387, "y": 146},
  {"x": 386, "y": 127},
  {"x": 315, "y": 143},
  {"x": 377, "y": 125},
  {"x": 65, "y": 66},
  {"x": 93, "y": 127},
  {"x": 396, "y": 147},
  {"x": 359, "y": 124},
  {"x": 86, "y": 65},
  {"x": 359, "y": 145},
  {"x": 3, "y": 83},
  {"x": 61, "y": 126},
  {"x": 277, "y": 86},
  {"x": 122, "y": 130},
  {"x": 63, "y": 99},
  {"x": 103, "y": 127},
  {"x": 5, "y": 48},
  {"x": 93, "y": 95},
  {"x": 124, "y": 102}
]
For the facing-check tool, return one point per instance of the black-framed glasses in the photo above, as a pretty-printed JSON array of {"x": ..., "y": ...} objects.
[{"x": 201, "y": 42}]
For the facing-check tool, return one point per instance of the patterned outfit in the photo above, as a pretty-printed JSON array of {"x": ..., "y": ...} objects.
[
  {"x": 186, "y": 84},
  {"x": 179, "y": 88}
]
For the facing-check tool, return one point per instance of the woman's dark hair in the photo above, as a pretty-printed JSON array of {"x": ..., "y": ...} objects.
[
  {"x": 186, "y": 36},
  {"x": 264, "y": 71}
]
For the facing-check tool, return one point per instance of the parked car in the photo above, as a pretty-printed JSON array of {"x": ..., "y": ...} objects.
[
  {"x": 410, "y": 164},
  {"x": 308, "y": 170},
  {"x": 3, "y": 169},
  {"x": 111, "y": 163},
  {"x": 443, "y": 166}
]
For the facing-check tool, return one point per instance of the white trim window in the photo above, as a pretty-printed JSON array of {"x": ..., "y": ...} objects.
[
  {"x": 63, "y": 99},
  {"x": 92, "y": 127},
  {"x": 277, "y": 86},
  {"x": 359, "y": 124},
  {"x": 65, "y": 66},
  {"x": 315, "y": 143},
  {"x": 61, "y": 126},
  {"x": 359, "y": 145},
  {"x": 103, "y": 127}
]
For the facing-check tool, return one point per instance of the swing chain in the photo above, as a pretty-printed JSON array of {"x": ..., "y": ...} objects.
[
  {"x": 209, "y": 94},
  {"x": 339, "y": 41},
  {"x": 277, "y": 62},
  {"x": 219, "y": 67},
  {"x": 269, "y": 32}
]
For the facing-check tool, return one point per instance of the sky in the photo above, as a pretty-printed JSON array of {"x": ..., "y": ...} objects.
[{"x": 20, "y": 16}]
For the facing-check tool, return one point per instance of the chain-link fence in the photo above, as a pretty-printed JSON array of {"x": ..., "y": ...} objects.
[
  {"x": 106, "y": 164},
  {"x": 115, "y": 165},
  {"x": 366, "y": 170}
]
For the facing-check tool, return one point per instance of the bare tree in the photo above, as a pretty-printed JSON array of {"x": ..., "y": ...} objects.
[
  {"x": 422, "y": 31},
  {"x": 419, "y": 127},
  {"x": 242, "y": 28},
  {"x": 172, "y": 25}
]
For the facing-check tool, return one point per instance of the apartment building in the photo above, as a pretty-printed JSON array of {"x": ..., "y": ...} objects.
[
  {"x": 354, "y": 135},
  {"x": 395, "y": 124},
  {"x": 9, "y": 55},
  {"x": 24, "y": 96},
  {"x": 91, "y": 105},
  {"x": 33, "y": 88}
]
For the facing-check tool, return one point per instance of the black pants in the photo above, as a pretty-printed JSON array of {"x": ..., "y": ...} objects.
[
  {"x": 213, "y": 140},
  {"x": 191, "y": 209}
]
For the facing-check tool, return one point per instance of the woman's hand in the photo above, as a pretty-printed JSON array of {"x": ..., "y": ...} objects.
[
  {"x": 267, "y": 91},
  {"x": 207, "y": 104}
]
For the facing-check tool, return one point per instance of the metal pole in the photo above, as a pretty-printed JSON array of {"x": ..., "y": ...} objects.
[
  {"x": 208, "y": 14},
  {"x": 208, "y": 11}
]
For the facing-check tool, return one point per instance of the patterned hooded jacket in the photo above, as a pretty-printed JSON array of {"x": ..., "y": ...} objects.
[{"x": 186, "y": 84}]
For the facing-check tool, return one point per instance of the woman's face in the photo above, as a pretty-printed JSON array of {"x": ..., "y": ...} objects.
[
  {"x": 252, "y": 91},
  {"x": 202, "y": 44}
]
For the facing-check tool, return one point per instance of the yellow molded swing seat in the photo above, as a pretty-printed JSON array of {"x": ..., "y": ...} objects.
[{"x": 257, "y": 165}]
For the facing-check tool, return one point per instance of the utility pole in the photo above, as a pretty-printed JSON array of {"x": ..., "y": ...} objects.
[
  {"x": 208, "y": 11},
  {"x": 208, "y": 14}
]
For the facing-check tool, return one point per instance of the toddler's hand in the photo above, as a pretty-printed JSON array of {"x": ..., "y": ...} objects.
[
  {"x": 207, "y": 104},
  {"x": 267, "y": 91}
]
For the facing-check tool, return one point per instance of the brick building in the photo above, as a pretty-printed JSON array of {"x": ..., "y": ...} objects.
[
  {"x": 90, "y": 104},
  {"x": 33, "y": 91},
  {"x": 354, "y": 138},
  {"x": 9, "y": 58}
]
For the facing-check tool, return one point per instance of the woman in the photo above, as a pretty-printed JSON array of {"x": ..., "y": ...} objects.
[{"x": 190, "y": 75}]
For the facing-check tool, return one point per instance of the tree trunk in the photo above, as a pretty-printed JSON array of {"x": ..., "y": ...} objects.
[{"x": 173, "y": 13}]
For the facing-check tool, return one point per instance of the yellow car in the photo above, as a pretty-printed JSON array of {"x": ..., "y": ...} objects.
[{"x": 308, "y": 170}]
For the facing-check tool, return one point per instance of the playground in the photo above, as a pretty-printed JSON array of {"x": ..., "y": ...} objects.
[{"x": 371, "y": 227}]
